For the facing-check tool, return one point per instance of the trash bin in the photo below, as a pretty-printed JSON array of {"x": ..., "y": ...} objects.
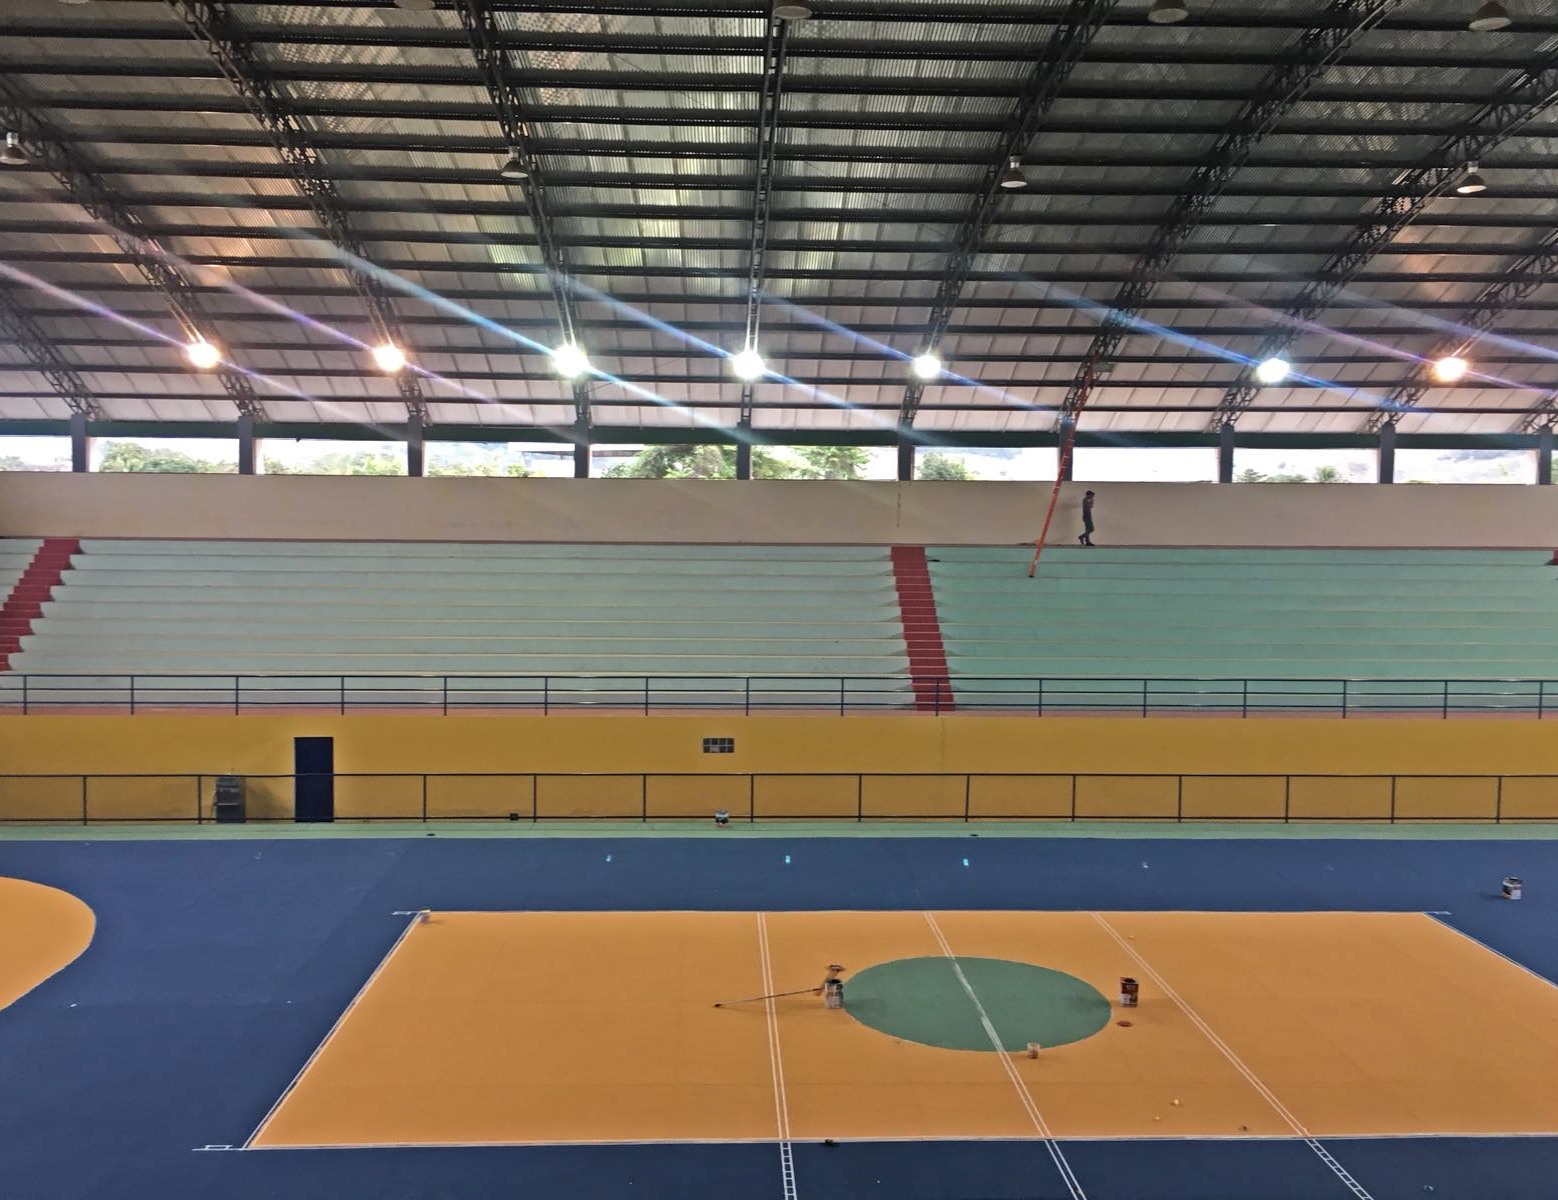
[{"x": 228, "y": 807}]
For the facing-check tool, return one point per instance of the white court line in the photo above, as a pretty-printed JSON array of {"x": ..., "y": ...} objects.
[
  {"x": 1073, "y": 1185},
  {"x": 1537, "y": 975},
  {"x": 776, "y": 1063},
  {"x": 339, "y": 1021},
  {"x": 1267, "y": 1094}
]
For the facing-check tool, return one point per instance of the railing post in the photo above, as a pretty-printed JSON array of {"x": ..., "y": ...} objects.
[
  {"x": 1144, "y": 697},
  {"x": 1041, "y": 695},
  {"x": 1287, "y": 798},
  {"x": 1179, "y": 800},
  {"x": 1244, "y": 701},
  {"x": 841, "y": 695},
  {"x": 83, "y": 799},
  {"x": 746, "y": 696},
  {"x": 343, "y": 695},
  {"x": 860, "y": 798},
  {"x": 751, "y": 799},
  {"x": 1498, "y": 799},
  {"x": 1392, "y": 799},
  {"x": 1073, "y": 797},
  {"x": 424, "y": 798},
  {"x": 1344, "y": 699},
  {"x": 237, "y": 694},
  {"x": 646, "y": 695},
  {"x": 1541, "y": 695},
  {"x": 24, "y": 697},
  {"x": 546, "y": 695},
  {"x": 445, "y": 680},
  {"x": 132, "y": 695},
  {"x": 1444, "y": 708},
  {"x": 199, "y": 779},
  {"x": 968, "y": 788},
  {"x": 936, "y": 698},
  {"x": 643, "y": 797}
]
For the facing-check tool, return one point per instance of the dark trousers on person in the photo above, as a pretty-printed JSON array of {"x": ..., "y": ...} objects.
[{"x": 1087, "y": 531}]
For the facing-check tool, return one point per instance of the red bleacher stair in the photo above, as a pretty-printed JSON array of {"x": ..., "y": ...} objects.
[
  {"x": 921, "y": 630},
  {"x": 25, "y": 603}
]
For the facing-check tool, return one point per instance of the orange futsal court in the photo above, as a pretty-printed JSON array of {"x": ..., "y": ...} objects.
[{"x": 513, "y": 1028}]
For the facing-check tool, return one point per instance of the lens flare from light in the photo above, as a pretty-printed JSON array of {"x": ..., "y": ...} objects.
[
  {"x": 202, "y": 355},
  {"x": 569, "y": 361},
  {"x": 748, "y": 365},
  {"x": 1450, "y": 369},
  {"x": 1273, "y": 370},
  {"x": 926, "y": 366},
  {"x": 389, "y": 358}
]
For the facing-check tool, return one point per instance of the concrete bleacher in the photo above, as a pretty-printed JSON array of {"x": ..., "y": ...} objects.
[
  {"x": 15, "y": 554},
  {"x": 1457, "y": 629},
  {"x": 492, "y": 619}
]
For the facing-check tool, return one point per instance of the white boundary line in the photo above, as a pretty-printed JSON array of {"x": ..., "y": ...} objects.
[
  {"x": 1073, "y": 1185},
  {"x": 248, "y": 1143},
  {"x": 1266, "y": 1093},
  {"x": 1477, "y": 941},
  {"x": 1080, "y": 1138},
  {"x": 776, "y": 1063}
]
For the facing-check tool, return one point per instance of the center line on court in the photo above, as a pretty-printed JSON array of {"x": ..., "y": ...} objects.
[
  {"x": 1267, "y": 1094},
  {"x": 1073, "y": 1185}
]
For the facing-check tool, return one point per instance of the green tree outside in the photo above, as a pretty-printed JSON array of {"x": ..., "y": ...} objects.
[{"x": 936, "y": 465}]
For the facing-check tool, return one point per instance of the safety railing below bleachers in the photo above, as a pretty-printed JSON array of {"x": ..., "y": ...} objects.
[
  {"x": 535, "y": 798},
  {"x": 446, "y": 694}
]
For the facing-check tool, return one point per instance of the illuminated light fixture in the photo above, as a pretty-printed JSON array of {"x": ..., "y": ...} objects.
[
  {"x": 514, "y": 167},
  {"x": 1272, "y": 370},
  {"x": 748, "y": 365},
  {"x": 1472, "y": 183},
  {"x": 1490, "y": 18},
  {"x": 1167, "y": 12},
  {"x": 569, "y": 361},
  {"x": 202, "y": 354},
  {"x": 13, "y": 155},
  {"x": 1450, "y": 369},
  {"x": 793, "y": 12},
  {"x": 75, "y": 1},
  {"x": 1012, "y": 178},
  {"x": 926, "y": 366},
  {"x": 417, "y": 5},
  {"x": 389, "y": 358}
]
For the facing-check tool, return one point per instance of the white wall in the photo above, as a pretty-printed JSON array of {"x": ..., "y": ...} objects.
[{"x": 633, "y": 510}]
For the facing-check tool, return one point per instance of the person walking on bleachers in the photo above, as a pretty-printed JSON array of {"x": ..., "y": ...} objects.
[{"x": 1087, "y": 520}]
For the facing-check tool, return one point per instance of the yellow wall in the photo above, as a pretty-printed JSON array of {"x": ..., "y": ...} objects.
[{"x": 918, "y": 764}]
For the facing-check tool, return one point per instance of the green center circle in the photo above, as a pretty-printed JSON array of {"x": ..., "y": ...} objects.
[{"x": 927, "y": 1000}]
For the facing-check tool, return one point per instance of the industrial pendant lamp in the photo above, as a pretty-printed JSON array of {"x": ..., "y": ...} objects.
[
  {"x": 1490, "y": 18},
  {"x": 13, "y": 155}
]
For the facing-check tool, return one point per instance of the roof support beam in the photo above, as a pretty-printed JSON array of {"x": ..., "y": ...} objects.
[
  {"x": 1074, "y": 30},
  {"x": 214, "y": 27},
  {"x": 1525, "y": 97},
  {"x": 85, "y": 187},
  {"x": 770, "y": 98},
  {"x": 514, "y": 113},
  {"x": 18, "y": 327},
  {"x": 1533, "y": 269},
  {"x": 1342, "y": 23}
]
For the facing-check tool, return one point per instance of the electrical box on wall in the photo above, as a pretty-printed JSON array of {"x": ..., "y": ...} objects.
[{"x": 719, "y": 745}]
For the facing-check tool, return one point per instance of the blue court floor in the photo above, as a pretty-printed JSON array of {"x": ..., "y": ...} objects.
[{"x": 218, "y": 966}]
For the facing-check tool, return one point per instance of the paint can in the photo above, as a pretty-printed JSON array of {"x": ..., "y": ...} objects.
[
  {"x": 1033, "y": 1049},
  {"x": 722, "y": 817},
  {"x": 1130, "y": 991},
  {"x": 833, "y": 993},
  {"x": 1512, "y": 887}
]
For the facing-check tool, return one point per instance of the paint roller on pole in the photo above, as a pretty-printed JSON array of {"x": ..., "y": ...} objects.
[{"x": 1061, "y": 464}]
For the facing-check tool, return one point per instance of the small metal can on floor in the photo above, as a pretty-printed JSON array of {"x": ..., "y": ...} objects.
[
  {"x": 1512, "y": 887},
  {"x": 1130, "y": 991}
]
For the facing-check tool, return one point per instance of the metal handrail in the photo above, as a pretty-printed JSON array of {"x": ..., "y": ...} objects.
[{"x": 841, "y": 694}]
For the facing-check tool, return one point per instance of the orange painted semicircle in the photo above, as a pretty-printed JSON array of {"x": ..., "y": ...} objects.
[{"x": 44, "y": 931}]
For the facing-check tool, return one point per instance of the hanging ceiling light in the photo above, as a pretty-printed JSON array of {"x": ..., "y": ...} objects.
[
  {"x": 793, "y": 12},
  {"x": 1490, "y": 18},
  {"x": 515, "y": 167},
  {"x": 202, "y": 355},
  {"x": 1450, "y": 369},
  {"x": 926, "y": 366},
  {"x": 389, "y": 358},
  {"x": 1472, "y": 183},
  {"x": 1273, "y": 370},
  {"x": 1167, "y": 12},
  {"x": 1012, "y": 178},
  {"x": 748, "y": 365},
  {"x": 13, "y": 155},
  {"x": 569, "y": 361}
]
